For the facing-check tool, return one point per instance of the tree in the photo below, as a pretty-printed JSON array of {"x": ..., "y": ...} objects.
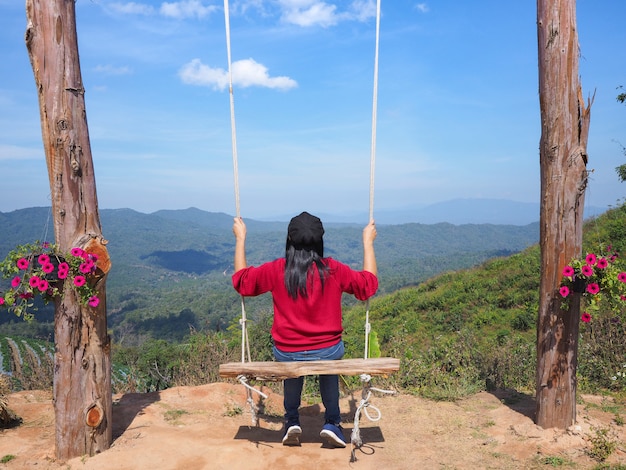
[
  {"x": 563, "y": 162},
  {"x": 82, "y": 365}
]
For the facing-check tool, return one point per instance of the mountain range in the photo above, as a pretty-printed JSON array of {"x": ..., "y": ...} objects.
[{"x": 455, "y": 211}]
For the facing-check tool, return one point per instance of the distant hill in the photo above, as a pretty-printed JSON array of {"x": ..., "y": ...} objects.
[
  {"x": 459, "y": 212},
  {"x": 171, "y": 269}
]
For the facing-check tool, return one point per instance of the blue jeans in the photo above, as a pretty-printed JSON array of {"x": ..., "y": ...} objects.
[{"x": 329, "y": 384}]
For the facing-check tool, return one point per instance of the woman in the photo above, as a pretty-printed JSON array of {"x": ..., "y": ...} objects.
[{"x": 306, "y": 291}]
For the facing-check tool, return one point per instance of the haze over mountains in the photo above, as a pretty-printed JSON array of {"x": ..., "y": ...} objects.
[{"x": 455, "y": 211}]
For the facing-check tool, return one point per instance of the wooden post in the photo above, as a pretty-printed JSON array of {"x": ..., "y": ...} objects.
[
  {"x": 82, "y": 365},
  {"x": 563, "y": 161}
]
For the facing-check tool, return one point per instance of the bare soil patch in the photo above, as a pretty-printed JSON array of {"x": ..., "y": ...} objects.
[{"x": 211, "y": 427}]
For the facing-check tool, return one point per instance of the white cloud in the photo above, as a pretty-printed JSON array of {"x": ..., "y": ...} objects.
[
  {"x": 112, "y": 70},
  {"x": 132, "y": 8},
  {"x": 186, "y": 9},
  {"x": 422, "y": 7},
  {"x": 178, "y": 10},
  {"x": 246, "y": 73},
  {"x": 308, "y": 13}
]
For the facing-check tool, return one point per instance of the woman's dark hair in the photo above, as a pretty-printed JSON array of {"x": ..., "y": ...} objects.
[{"x": 299, "y": 267}]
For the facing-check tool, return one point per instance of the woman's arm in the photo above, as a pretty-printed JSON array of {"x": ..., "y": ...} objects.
[
  {"x": 239, "y": 229},
  {"x": 369, "y": 257}
]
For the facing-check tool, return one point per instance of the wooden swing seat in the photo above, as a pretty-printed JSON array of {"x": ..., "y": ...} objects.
[{"x": 273, "y": 371}]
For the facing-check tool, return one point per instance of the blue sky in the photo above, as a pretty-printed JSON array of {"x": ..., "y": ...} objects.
[{"x": 458, "y": 109}]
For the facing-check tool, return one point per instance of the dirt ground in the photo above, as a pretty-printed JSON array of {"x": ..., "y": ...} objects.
[{"x": 211, "y": 427}]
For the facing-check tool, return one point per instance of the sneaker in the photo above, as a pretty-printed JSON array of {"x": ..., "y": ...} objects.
[
  {"x": 292, "y": 435},
  {"x": 332, "y": 435}
]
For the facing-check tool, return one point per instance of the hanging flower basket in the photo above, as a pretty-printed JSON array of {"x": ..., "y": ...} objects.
[
  {"x": 40, "y": 270},
  {"x": 598, "y": 278}
]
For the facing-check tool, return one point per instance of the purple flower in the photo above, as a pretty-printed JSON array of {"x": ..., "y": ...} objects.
[{"x": 564, "y": 291}]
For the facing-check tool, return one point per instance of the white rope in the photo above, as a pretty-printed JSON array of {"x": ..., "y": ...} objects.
[
  {"x": 363, "y": 407},
  {"x": 374, "y": 113},
  {"x": 245, "y": 343},
  {"x": 233, "y": 127},
  {"x": 373, "y": 161},
  {"x": 249, "y": 389}
]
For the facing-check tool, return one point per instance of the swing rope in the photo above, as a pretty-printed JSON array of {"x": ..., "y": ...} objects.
[
  {"x": 245, "y": 344},
  {"x": 364, "y": 404},
  {"x": 373, "y": 162}
]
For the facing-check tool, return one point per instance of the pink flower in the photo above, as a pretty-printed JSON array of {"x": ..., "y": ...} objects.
[
  {"x": 94, "y": 301},
  {"x": 602, "y": 263},
  {"x": 64, "y": 266},
  {"x": 593, "y": 288},
  {"x": 590, "y": 259},
  {"x": 62, "y": 273},
  {"x": 585, "y": 317},
  {"x": 78, "y": 252},
  {"x": 79, "y": 281},
  {"x": 86, "y": 267},
  {"x": 1, "y": 300},
  {"x": 33, "y": 281},
  {"x": 568, "y": 271},
  {"x": 621, "y": 277},
  {"x": 43, "y": 259},
  {"x": 47, "y": 268},
  {"x": 587, "y": 270},
  {"x": 22, "y": 263},
  {"x": 26, "y": 295},
  {"x": 622, "y": 297},
  {"x": 16, "y": 281},
  {"x": 564, "y": 291},
  {"x": 43, "y": 285}
]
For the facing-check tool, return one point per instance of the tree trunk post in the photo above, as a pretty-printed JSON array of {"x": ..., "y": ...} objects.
[
  {"x": 82, "y": 365},
  {"x": 563, "y": 161}
]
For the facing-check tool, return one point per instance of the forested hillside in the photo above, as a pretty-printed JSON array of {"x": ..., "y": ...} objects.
[
  {"x": 457, "y": 332},
  {"x": 171, "y": 269}
]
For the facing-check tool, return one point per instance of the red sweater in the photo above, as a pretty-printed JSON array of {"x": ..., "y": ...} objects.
[{"x": 307, "y": 323}]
